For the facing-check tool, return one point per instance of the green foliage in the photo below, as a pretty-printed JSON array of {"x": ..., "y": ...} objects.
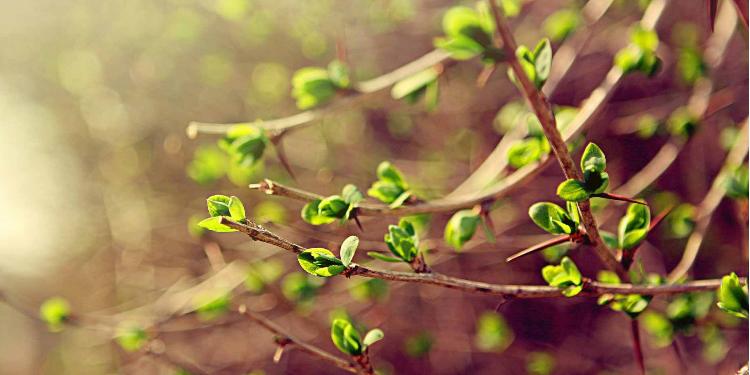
[
  {"x": 468, "y": 33},
  {"x": 493, "y": 334},
  {"x": 131, "y": 337},
  {"x": 390, "y": 187},
  {"x": 682, "y": 123},
  {"x": 690, "y": 65},
  {"x": 244, "y": 144},
  {"x": 262, "y": 273},
  {"x": 565, "y": 276},
  {"x": 733, "y": 296},
  {"x": 536, "y": 64},
  {"x": 681, "y": 220},
  {"x": 208, "y": 165},
  {"x": 554, "y": 219},
  {"x": 313, "y": 86},
  {"x": 647, "y": 126},
  {"x": 595, "y": 180},
  {"x": 327, "y": 210},
  {"x": 348, "y": 340},
  {"x": 460, "y": 228},
  {"x": 55, "y": 311},
  {"x": 300, "y": 288},
  {"x": 540, "y": 363},
  {"x": 422, "y": 84},
  {"x": 527, "y": 151},
  {"x": 320, "y": 262},
  {"x": 418, "y": 345},
  {"x": 640, "y": 54},
  {"x": 561, "y": 24},
  {"x": 633, "y": 226},
  {"x": 210, "y": 306},
  {"x": 402, "y": 240},
  {"x": 347, "y": 250},
  {"x": 369, "y": 290},
  {"x": 681, "y": 315},
  {"x": 736, "y": 183},
  {"x": 631, "y": 304},
  {"x": 535, "y": 146},
  {"x": 222, "y": 206}
]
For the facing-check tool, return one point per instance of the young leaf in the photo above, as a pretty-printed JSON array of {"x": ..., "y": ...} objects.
[
  {"x": 572, "y": 191},
  {"x": 320, "y": 262},
  {"x": 593, "y": 159},
  {"x": 348, "y": 248},
  {"x": 372, "y": 337},
  {"x": 218, "y": 205},
  {"x": 131, "y": 337},
  {"x": 384, "y": 258},
  {"x": 460, "y": 228},
  {"x": 736, "y": 183},
  {"x": 542, "y": 62},
  {"x": 345, "y": 337},
  {"x": 54, "y": 311},
  {"x": 561, "y": 24},
  {"x": 634, "y": 226},
  {"x": 236, "y": 209},
  {"x": 552, "y": 218},
  {"x": 312, "y": 86},
  {"x": 566, "y": 276},
  {"x": 338, "y": 73},
  {"x": 311, "y": 214},
  {"x": 733, "y": 297},
  {"x": 214, "y": 224}
]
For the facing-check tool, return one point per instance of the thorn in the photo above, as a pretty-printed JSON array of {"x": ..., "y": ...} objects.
[
  {"x": 276, "y": 140},
  {"x": 356, "y": 220},
  {"x": 538, "y": 247},
  {"x": 659, "y": 218},
  {"x": 485, "y": 74},
  {"x": 616, "y": 197},
  {"x": 711, "y": 6}
]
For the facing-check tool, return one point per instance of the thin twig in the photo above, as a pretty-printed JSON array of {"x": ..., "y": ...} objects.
[
  {"x": 637, "y": 349},
  {"x": 538, "y": 247}
]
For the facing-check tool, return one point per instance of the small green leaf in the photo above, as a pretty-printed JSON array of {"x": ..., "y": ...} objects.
[
  {"x": 55, "y": 311},
  {"x": 542, "y": 62},
  {"x": 210, "y": 306},
  {"x": 345, "y": 337},
  {"x": 131, "y": 337},
  {"x": 552, "y": 218},
  {"x": 214, "y": 224},
  {"x": 236, "y": 209},
  {"x": 633, "y": 227},
  {"x": 218, "y": 205},
  {"x": 565, "y": 276},
  {"x": 348, "y": 248},
  {"x": 320, "y": 262},
  {"x": 492, "y": 333},
  {"x": 733, "y": 297},
  {"x": 593, "y": 159},
  {"x": 460, "y": 228},
  {"x": 384, "y": 258},
  {"x": 372, "y": 337},
  {"x": 561, "y": 24},
  {"x": 311, "y": 87},
  {"x": 572, "y": 191},
  {"x": 351, "y": 194},
  {"x": 525, "y": 152},
  {"x": 646, "y": 40},
  {"x": 338, "y": 73},
  {"x": 736, "y": 183}
]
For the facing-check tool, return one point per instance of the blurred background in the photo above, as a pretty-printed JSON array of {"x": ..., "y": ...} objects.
[{"x": 101, "y": 186}]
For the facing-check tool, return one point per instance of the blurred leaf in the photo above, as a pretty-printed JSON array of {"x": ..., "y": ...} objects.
[
  {"x": 55, "y": 311},
  {"x": 561, "y": 24},
  {"x": 493, "y": 333},
  {"x": 733, "y": 296},
  {"x": 460, "y": 228},
  {"x": 131, "y": 337}
]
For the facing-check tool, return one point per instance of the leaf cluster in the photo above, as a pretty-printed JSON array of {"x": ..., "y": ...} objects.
[
  {"x": 314, "y": 86},
  {"x": 640, "y": 54},
  {"x": 595, "y": 179},
  {"x": 329, "y": 209},
  {"x": 390, "y": 188},
  {"x": 348, "y": 340},
  {"x": 564, "y": 276}
]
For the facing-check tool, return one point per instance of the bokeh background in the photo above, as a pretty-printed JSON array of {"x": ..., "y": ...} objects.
[{"x": 100, "y": 182}]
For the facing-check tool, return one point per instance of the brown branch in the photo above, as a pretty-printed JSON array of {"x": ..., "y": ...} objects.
[
  {"x": 286, "y": 339},
  {"x": 591, "y": 288},
  {"x": 543, "y": 110},
  {"x": 637, "y": 349}
]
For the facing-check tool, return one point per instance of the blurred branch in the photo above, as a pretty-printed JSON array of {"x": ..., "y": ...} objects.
[
  {"x": 709, "y": 204},
  {"x": 591, "y": 288}
]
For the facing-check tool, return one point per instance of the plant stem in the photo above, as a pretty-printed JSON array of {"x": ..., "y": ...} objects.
[{"x": 637, "y": 349}]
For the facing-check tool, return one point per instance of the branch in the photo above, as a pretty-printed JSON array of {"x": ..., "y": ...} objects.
[
  {"x": 709, "y": 204},
  {"x": 591, "y": 288},
  {"x": 543, "y": 110}
]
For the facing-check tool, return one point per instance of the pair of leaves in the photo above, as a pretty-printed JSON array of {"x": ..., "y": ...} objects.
[
  {"x": 222, "y": 206},
  {"x": 634, "y": 226},
  {"x": 536, "y": 64},
  {"x": 321, "y": 262},
  {"x": 468, "y": 33},
  {"x": 245, "y": 144},
  {"x": 733, "y": 296},
  {"x": 313, "y": 86},
  {"x": 422, "y": 84},
  {"x": 390, "y": 187},
  {"x": 565, "y": 276},
  {"x": 55, "y": 311},
  {"x": 554, "y": 219},
  {"x": 327, "y": 210},
  {"x": 595, "y": 179},
  {"x": 640, "y": 54},
  {"x": 736, "y": 183},
  {"x": 402, "y": 241},
  {"x": 461, "y": 227},
  {"x": 631, "y": 304},
  {"x": 348, "y": 340}
]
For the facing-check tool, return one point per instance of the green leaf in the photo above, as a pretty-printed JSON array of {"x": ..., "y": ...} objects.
[
  {"x": 682, "y": 123},
  {"x": 384, "y": 258},
  {"x": 399, "y": 201},
  {"x": 593, "y": 159},
  {"x": 644, "y": 39},
  {"x": 211, "y": 305},
  {"x": 402, "y": 240},
  {"x": 351, "y": 194},
  {"x": 218, "y": 205},
  {"x": 372, "y": 337},
  {"x": 565, "y": 276},
  {"x": 561, "y": 24},
  {"x": 389, "y": 173},
  {"x": 245, "y": 144},
  {"x": 736, "y": 183},
  {"x": 345, "y": 337},
  {"x": 414, "y": 83},
  {"x": 525, "y": 152},
  {"x": 659, "y": 327},
  {"x": 310, "y": 214},
  {"x": 492, "y": 333},
  {"x": 320, "y": 262},
  {"x": 511, "y": 8},
  {"x": 610, "y": 239},
  {"x": 348, "y": 248},
  {"x": 236, "y": 209},
  {"x": 300, "y": 288},
  {"x": 311, "y": 86},
  {"x": 460, "y": 228},
  {"x": 733, "y": 297},
  {"x": 338, "y": 73},
  {"x": 385, "y": 192},
  {"x": 595, "y": 182},
  {"x": 55, "y": 311},
  {"x": 573, "y": 212},
  {"x": 572, "y": 191},
  {"x": 208, "y": 165},
  {"x": 333, "y": 207},
  {"x": 552, "y": 218},
  {"x": 214, "y": 224},
  {"x": 130, "y": 337},
  {"x": 542, "y": 62},
  {"x": 633, "y": 227}
]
